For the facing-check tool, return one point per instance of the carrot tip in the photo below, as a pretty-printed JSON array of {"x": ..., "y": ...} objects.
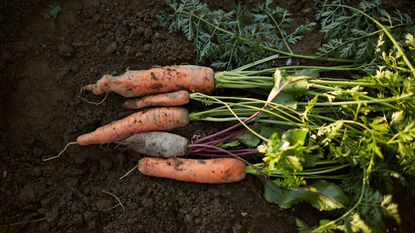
[
  {"x": 87, "y": 87},
  {"x": 60, "y": 153}
]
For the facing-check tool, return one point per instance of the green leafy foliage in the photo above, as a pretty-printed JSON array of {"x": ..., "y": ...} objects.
[
  {"x": 338, "y": 138},
  {"x": 366, "y": 217},
  {"x": 363, "y": 129},
  {"x": 378, "y": 142},
  {"x": 231, "y": 39},
  {"x": 286, "y": 153},
  {"x": 350, "y": 34}
]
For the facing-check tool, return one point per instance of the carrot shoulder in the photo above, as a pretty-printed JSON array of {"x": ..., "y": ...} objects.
[
  {"x": 156, "y": 119},
  {"x": 214, "y": 171},
  {"x": 176, "y": 98},
  {"x": 156, "y": 80}
]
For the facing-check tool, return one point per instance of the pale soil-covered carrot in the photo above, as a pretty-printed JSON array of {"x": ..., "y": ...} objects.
[
  {"x": 176, "y": 98},
  {"x": 156, "y": 80},
  {"x": 159, "y": 144},
  {"x": 214, "y": 171}
]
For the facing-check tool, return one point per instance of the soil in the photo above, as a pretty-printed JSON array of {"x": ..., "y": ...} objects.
[{"x": 43, "y": 63}]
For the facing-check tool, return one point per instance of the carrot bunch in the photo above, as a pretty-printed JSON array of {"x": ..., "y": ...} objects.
[{"x": 164, "y": 88}]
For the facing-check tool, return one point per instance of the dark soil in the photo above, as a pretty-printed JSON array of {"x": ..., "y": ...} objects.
[{"x": 43, "y": 64}]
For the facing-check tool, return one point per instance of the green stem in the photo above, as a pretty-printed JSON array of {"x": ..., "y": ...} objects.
[
  {"x": 308, "y": 174},
  {"x": 238, "y": 118},
  {"x": 373, "y": 101},
  {"x": 268, "y": 121},
  {"x": 247, "y": 101},
  {"x": 342, "y": 83},
  {"x": 325, "y": 170},
  {"x": 362, "y": 194}
]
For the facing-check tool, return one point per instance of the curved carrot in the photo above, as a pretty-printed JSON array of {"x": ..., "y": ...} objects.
[
  {"x": 156, "y": 119},
  {"x": 156, "y": 80},
  {"x": 214, "y": 171},
  {"x": 176, "y": 98}
]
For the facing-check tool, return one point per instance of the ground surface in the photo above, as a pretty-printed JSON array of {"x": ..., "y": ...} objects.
[{"x": 43, "y": 64}]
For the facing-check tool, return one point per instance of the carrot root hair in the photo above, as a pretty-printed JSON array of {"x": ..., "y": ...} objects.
[
  {"x": 118, "y": 200},
  {"x": 91, "y": 102},
  {"x": 60, "y": 153},
  {"x": 129, "y": 172}
]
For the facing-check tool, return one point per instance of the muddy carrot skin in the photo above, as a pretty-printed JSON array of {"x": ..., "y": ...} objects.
[
  {"x": 176, "y": 98},
  {"x": 156, "y": 119},
  {"x": 156, "y": 80},
  {"x": 159, "y": 144},
  {"x": 213, "y": 171}
]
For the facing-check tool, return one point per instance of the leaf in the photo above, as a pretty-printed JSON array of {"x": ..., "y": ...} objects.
[
  {"x": 272, "y": 192},
  {"x": 308, "y": 72},
  {"x": 379, "y": 124},
  {"x": 247, "y": 30},
  {"x": 358, "y": 225},
  {"x": 296, "y": 87},
  {"x": 295, "y": 136},
  {"x": 321, "y": 195},
  {"x": 229, "y": 144},
  {"x": 286, "y": 99},
  {"x": 302, "y": 227},
  {"x": 249, "y": 139},
  {"x": 267, "y": 131},
  {"x": 294, "y": 162}
]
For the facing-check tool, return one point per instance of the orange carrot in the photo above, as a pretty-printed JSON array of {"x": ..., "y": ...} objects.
[
  {"x": 214, "y": 171},
  {"x": 156, "y": 119},
  {"x": 176, "y": 98},
  {"x": 156, "y": 80}
]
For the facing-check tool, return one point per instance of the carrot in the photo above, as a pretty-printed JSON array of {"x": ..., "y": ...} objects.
[
  {"x": 176, "y": 98},
  {"x": 160, "y": 144},
  {"x": 156, "y": 80},
  {"x": 156, "y": 119},
  {"x": 214, "y": 171}
]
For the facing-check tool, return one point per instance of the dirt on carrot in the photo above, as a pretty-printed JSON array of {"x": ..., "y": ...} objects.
[
  {"x": 159, "y": 144},
  {"x": 156, "y": 119},
  {"x": 214, "y": 171},
  {"x": 176, "y": 98},
  {"x": 156, "y": 80}
]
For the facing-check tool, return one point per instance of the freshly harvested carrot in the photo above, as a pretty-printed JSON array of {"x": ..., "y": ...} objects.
[
  {"x": 156, "y": 80},
  {"x": 214, "y": 171},
  {"x": 176, "y": 98},
  {"x": 156, "y": 119},
  {"x": 159, "y": 144}
]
